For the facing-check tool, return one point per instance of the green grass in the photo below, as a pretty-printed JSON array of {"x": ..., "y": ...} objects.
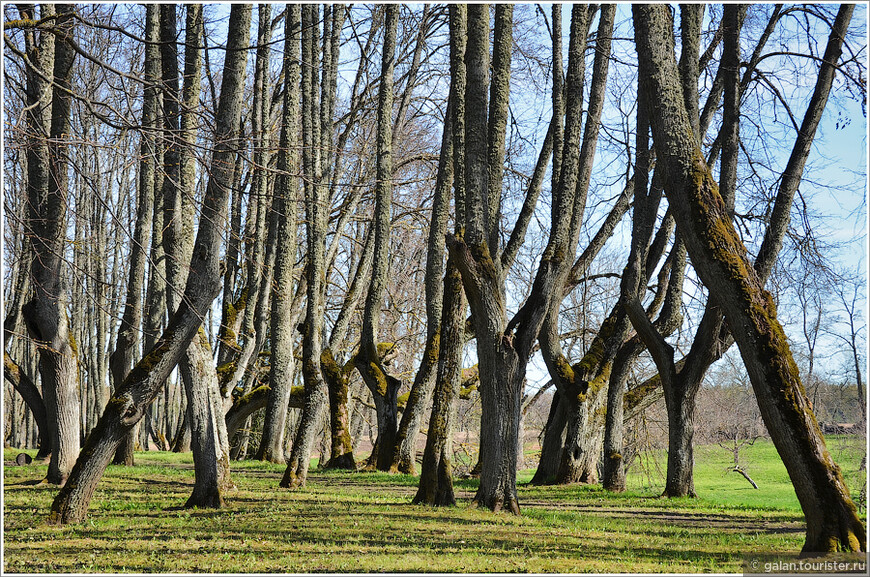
[
  {"x": 349, "y": 522},
  {"x": 715, "y": 484}
]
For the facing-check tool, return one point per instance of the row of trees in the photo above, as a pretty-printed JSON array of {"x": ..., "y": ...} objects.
[{"x": 313, "y": 195}]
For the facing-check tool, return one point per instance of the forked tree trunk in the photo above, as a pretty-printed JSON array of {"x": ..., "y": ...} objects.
[
  {"x": 582, "y": 396},
  {"x": 721, "y": 262},
  {"x": 583, "y": 437},
  {"x": 144, "y": 382},
  {"x": 337, "y": 377},
  {"x": 45, "y": 314}
]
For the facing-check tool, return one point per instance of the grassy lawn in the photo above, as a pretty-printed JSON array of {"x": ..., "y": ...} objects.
[{"x": 344, "y": 522}]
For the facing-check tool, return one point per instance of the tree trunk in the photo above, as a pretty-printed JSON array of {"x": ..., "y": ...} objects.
[
  {"x": 553, "y": 442},
  {"x": 436, "y": 477},
  {"x": 283, "y": 318},
  {"x": 145, "y": 380},
  {"x": 421, "y": 391},
  {"x": 583, "y": 438},
  {"x": 315, "y": 213},
  {"x": 45, "y": 314},
  {"x": 384, "y": 387},
  {"x": 681, "y": 428},
  {"x": 124, "y": 355},
  {"x": 341, "y": 450},
  {"x": 502, "y": 378},
  {"x": 209, "y": 439},
  {"x": 720, "y": 260}
]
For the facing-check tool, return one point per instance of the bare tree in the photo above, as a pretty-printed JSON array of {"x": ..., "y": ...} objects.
[
  {"x": 45, "y": 313},
  {"x": 144, "y": 382},
  {"x": 383, "y": 386},
  {"x": 720, "y": 260},
  {"x": 283, "y": 313}
]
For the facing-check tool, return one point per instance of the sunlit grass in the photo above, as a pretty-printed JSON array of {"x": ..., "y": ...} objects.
[
  {"x": 714, "y": 482},
  {"x": 355, "y": 521}
]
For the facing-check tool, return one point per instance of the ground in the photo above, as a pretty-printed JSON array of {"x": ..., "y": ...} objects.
[{"x": 349, "y": 522}]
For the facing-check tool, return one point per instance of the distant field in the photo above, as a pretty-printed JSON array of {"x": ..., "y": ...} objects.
[
  {"x": 344, "y": 522},
  {"x": 762, "y": 463}
]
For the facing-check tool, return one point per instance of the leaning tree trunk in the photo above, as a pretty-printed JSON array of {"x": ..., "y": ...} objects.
[
  {"x": 45, "y": 314},
  {"x": 144, "y": 382},
  {"x": 720, "y": 259},
  {"x": 32, "y": 398}
]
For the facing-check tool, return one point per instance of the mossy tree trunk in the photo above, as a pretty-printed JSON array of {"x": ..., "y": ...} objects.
[
  {"x": 422, "y": 388},
  {"x": 383, "y": 386},
  {"x": 337, "y": 378},
  {"x": 45, "y": 313},
  {"x": 283, "y": 323},
  {"x": 552, "y": 443},
  {"x": 721, "y": 262},
  {"x": 144, "y": 382},
  {"x": 315, "y": 271},
  {"x": 436, "y": 477}
]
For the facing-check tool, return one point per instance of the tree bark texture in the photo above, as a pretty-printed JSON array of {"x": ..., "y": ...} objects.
[
  {"x": 721, "y": 261},
  {"x": 144, "y": 382},
  {"x": 283, "y": 314},
  {"x": 383, "y": 386},
  {"x": 45, "y": 313},
  {"x": 436, "y": 477},
  {"x": 316, "y": 215}
]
